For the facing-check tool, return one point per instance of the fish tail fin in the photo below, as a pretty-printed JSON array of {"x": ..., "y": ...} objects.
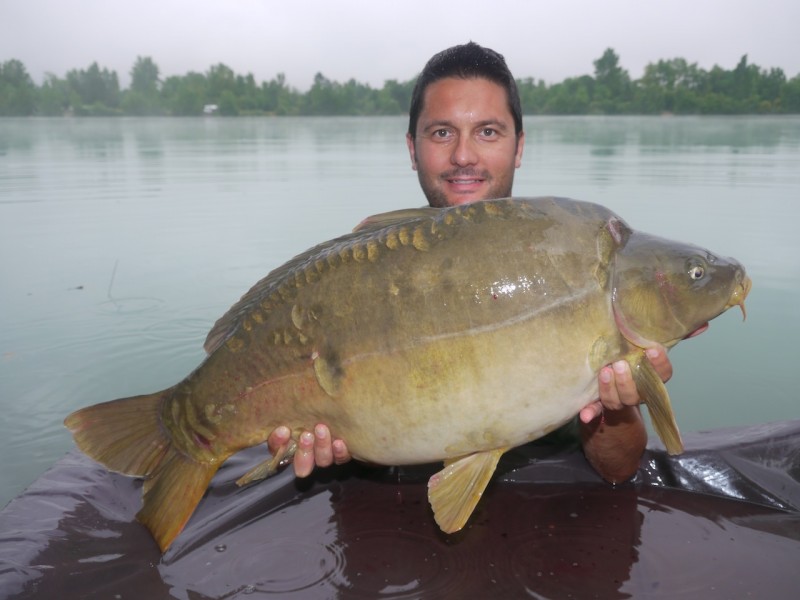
[
  {"x": 172, "y": 493},
  {"x": 654, "y": 394},
  {"x": 127, "y": 436}
]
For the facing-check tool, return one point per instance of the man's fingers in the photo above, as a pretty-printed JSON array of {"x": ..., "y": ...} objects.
[
  {"x": 323, "y": 453},
  {"x": 340, "y": 453},
  {"x": 590, "y": 412},
  {"x": 626, "y": 389},
  {"x": 608, "y": 389},
  {"x": 616, "y": 386},
  {"x": 279, "y": 437},
  {"x": 661, "y": 363},
  {"x": 304, "y": 456},
  {"x": 313, "y": 449}
]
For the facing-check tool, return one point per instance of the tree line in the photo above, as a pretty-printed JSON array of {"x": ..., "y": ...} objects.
[{"x": 668, "y": 86}]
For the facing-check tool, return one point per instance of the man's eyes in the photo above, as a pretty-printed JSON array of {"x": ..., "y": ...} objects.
[{"x": 446, "y": 134}]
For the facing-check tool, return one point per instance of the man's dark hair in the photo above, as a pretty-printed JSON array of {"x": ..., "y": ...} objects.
[{"x": 467, "y": 61}]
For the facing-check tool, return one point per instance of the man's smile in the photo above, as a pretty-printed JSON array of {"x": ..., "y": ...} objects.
[{"x": 465, "y": 178}]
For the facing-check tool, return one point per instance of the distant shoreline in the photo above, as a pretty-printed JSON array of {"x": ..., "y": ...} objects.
[{"x": 668, "y": 87}]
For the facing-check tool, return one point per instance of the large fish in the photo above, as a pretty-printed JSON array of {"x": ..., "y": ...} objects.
[{"x": 431, "y": 334}]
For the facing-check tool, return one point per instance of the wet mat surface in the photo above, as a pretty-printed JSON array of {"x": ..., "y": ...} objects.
[{"x": 721, "y": 521}]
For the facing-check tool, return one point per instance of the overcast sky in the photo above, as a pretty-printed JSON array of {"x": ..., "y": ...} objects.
[{"x": 372, "y": 41}]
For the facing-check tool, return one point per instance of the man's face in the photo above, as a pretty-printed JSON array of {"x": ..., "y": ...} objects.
[{"x": 465, "y": 148}]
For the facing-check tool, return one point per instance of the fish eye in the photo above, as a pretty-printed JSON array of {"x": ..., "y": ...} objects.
[{"x": 696, "y": 272}]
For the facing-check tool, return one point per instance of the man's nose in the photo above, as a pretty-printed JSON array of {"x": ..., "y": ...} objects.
[{"x": 464, "y": 152}]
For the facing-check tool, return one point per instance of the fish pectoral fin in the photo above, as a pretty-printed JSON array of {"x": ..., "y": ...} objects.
[
  {"x": 455, "y": 490},
  {"x": 328, "y": 372},
  {"x": 269, "y": 467},
  {"x": 654, "y": 393}
]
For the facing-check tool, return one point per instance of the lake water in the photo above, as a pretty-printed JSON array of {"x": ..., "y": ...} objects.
[{"x": 123, "y": 240}]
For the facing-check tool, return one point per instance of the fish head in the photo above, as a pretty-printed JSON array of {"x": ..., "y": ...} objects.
[{"x": 665, "y": 291}]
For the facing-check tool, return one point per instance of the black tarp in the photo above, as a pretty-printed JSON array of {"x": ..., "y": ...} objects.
[{"x": 720, "y": 521}]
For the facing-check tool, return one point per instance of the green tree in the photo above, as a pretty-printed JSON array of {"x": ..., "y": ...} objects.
[
  {"x": 672, "y": 85},
  {"x": 533, "y": 95},
  {"x": 612, "y": 84},
  {"x": 394, "y": 97},
  {"x": 17, "y": 90},
  {"x": 144, "y": 76},
  {"x": 322, "y": 98},
  {"x": 356, "y": 98},
  {"x": 277, "y": 98},
  {"x": 56, "y": 97},
  {"x": 228, "y": 104},
  {"x": 220, "y": 78},
  {"x": 97, "y": 89},
  {"x": 248, "y": 96},
  {"x": 185, "y": 95},
  {"x": 790, "y": 95},
  {"x": 143, "y": 97},
  {"x": 668, "y": 86},
  {"x": 744, "y": 80},
  {"x": 768, "y": 89},
  {"x": 573, "y": 96}
]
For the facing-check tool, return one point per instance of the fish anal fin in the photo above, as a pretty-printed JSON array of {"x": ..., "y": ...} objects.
[
  {"x": 454, "y": 491},
  {"x": 269, "y": 467},
  {"x": 654, "y": 394},
  {"x": 172, "y": 494}
]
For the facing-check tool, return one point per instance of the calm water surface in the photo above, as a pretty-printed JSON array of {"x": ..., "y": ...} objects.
[{"x": 123, "y": 240}]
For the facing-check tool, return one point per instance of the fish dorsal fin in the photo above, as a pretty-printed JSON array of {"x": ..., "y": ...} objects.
[
  {"x": 455, "y": 490},
  {"x": 654, "y": 394},
  {"x": 230, "y": 321},
  {"x": 390, "y": 218}
]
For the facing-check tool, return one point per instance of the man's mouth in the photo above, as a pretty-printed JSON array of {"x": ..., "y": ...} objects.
[{"x": 464, "y": 179}]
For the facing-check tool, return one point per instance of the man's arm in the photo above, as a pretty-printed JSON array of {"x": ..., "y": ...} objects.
[{"x": 613, "y": 439}]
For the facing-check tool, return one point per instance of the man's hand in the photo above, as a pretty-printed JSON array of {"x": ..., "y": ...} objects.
[
  {"x": 617, "y": 389},
  {"x": 614, "y": 444},
  {"x": 315, "y": 448}
]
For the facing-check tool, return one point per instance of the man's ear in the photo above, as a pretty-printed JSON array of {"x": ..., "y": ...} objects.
[
  {"x": 520, "y": 147},
  {"x": 411, "y": 151}
]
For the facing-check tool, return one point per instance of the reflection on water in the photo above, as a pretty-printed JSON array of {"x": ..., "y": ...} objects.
[
  {"x": 123, "y": 240},
  {"x": 665, "y": 135}
]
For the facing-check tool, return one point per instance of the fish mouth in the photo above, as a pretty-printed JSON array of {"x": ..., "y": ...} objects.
[
  {"x": 739, "y": 294},
  {"x": 737, "y": 299}
]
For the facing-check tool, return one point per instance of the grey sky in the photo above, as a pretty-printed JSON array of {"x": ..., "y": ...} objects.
[{"x": 372, "y": 41}]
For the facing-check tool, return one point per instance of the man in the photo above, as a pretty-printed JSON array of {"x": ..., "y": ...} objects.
[{"x": 465, "y": 139}]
